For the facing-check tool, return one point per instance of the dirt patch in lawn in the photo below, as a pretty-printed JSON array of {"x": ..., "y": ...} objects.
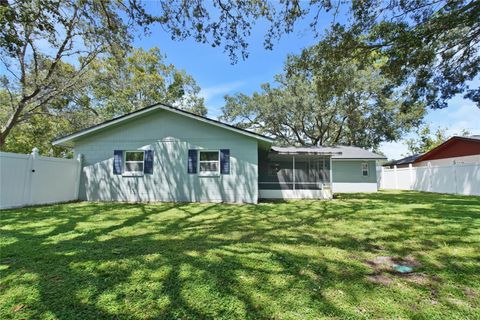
[
  {"x": 418, "y": 278},
  {"x": 380, "y": 278},
  {"x": 469, "y": 292},
  {"x": 387, "y": 263},
  {"x": 384, "y": 271}
]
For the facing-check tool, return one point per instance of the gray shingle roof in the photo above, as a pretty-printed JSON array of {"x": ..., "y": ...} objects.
[
  {"x": 337, "y": 152},
  {"x": 474, "y": 137},
  {"x": 406, "y": 160}
]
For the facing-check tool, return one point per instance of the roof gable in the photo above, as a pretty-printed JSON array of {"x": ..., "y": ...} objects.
[{"x": 67, "y": 140}]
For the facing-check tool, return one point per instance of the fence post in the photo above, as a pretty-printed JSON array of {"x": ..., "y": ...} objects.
[
  {"x": 78, "y": 176},
  {"x": 27, "y": 188},
  {"x": 429, "y": 176},
  {"x": 455, "y": 176},
  {"x": 410, "y": 171},
  {"x": 382, "y": 178},
  {"x": 396, "y": 177},
  {"x": 293, "y": 163}
]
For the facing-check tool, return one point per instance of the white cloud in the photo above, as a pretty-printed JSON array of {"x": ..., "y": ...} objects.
[
  {"x": 213, "y": 96},
  {"x": 210, "y": 93},
  {"x": 461, "y": 114}
]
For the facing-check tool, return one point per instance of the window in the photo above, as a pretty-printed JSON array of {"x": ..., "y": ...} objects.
[
  {"x": 209, "y": 163},
  {"x": 134, "y": 161},
  {"x": 365, "y": 169}
]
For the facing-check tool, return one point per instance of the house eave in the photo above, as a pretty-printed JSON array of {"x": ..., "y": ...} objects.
[
  {"x": 358, "y": 159},
  {"x": 307, "y": 153}
]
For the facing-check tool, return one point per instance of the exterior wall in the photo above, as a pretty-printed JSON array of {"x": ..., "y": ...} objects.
[
  {"x": 449, "y": 161},
  {"x": 295, "y": 194},
  {"x": 170, "y": 136},
  {"x": 347, "y": 176},
  {"x": 346, "y": 187}
]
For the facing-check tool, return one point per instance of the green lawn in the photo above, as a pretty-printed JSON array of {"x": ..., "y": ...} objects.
[{"x": 284, "y": 260}]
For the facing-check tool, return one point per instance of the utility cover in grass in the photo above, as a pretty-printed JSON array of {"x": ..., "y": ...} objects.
[{"x": 402, "y": 268}]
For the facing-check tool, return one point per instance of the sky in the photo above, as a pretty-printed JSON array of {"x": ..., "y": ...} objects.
[{"x": 217, "y": 76}]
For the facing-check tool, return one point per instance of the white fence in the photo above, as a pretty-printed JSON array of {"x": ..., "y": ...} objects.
[
  {"x": 29, "y": 179},
  {"x": 456, "y": 178}
]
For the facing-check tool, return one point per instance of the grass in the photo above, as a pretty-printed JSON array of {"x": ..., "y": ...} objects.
[{"x": 284, "y": 260}]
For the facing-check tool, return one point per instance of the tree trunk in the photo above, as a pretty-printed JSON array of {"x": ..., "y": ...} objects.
[{"x": 11, "y": 122}]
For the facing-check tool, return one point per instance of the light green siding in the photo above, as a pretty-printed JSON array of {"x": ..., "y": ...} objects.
[
  {"x": 170, "y": 136},
  {"x": 350, "y": 171}
]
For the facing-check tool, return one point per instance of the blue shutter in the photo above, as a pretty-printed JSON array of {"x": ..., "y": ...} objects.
[
  {"x": 225, "y": 161},
  {"x": 117, "y": 161},
  {"x": 148, "y": 163},
  {"x": 192, "y": 161}
]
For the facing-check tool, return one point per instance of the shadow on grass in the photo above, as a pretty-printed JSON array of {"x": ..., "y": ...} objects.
[{"x": 299, "y": 259}]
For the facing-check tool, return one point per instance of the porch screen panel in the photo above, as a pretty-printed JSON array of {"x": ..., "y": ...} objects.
[
  {"x": 305, "y": 175},
  {"x": 311, "y": 173},
  {"x": 276, "y": 175}
]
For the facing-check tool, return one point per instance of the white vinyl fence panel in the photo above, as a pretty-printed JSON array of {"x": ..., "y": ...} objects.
[
  {"x": 456, "y": 178},
  {"x": 30, "y": 179}
]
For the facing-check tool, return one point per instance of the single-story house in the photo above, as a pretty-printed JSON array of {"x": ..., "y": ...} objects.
[
  {"x": 402, "y": 163},
  {"x": 161, "y": 153},
  {"x": 461, "y": 150}
]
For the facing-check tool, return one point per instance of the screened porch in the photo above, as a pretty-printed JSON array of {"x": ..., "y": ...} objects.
[{"x": 294, "y": 175}]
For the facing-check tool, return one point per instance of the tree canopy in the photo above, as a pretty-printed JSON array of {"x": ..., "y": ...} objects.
[
  {"x": 110, "y": 88},
  {"x": 432, "y": 46},
  {"x": 141, "y": 79},
  {"x": 425, "y": 139},
  {"x": 47, "y": 47},
  {"x": 340, "y": 101}
]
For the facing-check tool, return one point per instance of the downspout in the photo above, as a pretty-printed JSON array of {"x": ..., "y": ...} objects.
[
  {"x": 331, "y": 179},
  {"x": 293, "y": 157}
]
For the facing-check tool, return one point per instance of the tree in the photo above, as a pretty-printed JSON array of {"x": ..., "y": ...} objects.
[
  {"x": 426, "y": 139},
  {"x": 141, "y": 79},
  {"x": 46, "y": 124},
  {"x": 37, "y": 38},
  {"x": 339, "y": 102},
  {"x": 40, "y": 39},
  {"x": 111, "y": 88},
  {"x": 47, "y": 48},
  {"x": 432, "y": 46}
]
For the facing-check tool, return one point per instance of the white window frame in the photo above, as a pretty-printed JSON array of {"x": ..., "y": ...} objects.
[
  {"x": 132, "y": 173},
  {"x": 209, "y": 173},
  {"x": 365, "y": 168}
]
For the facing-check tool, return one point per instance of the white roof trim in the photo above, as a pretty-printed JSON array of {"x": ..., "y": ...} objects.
[
  {"x": 325, "y": 153},
  {"x": 120, "y": 119},
  {"x": 359, "y": 159}
]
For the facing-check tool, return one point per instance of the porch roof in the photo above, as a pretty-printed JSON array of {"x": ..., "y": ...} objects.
[
  {"x": 306, "y": 150},
  {"x": 336, "y": 152}
]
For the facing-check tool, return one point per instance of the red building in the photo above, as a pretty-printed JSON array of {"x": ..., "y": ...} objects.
[{"x": 458, "y": 149}]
